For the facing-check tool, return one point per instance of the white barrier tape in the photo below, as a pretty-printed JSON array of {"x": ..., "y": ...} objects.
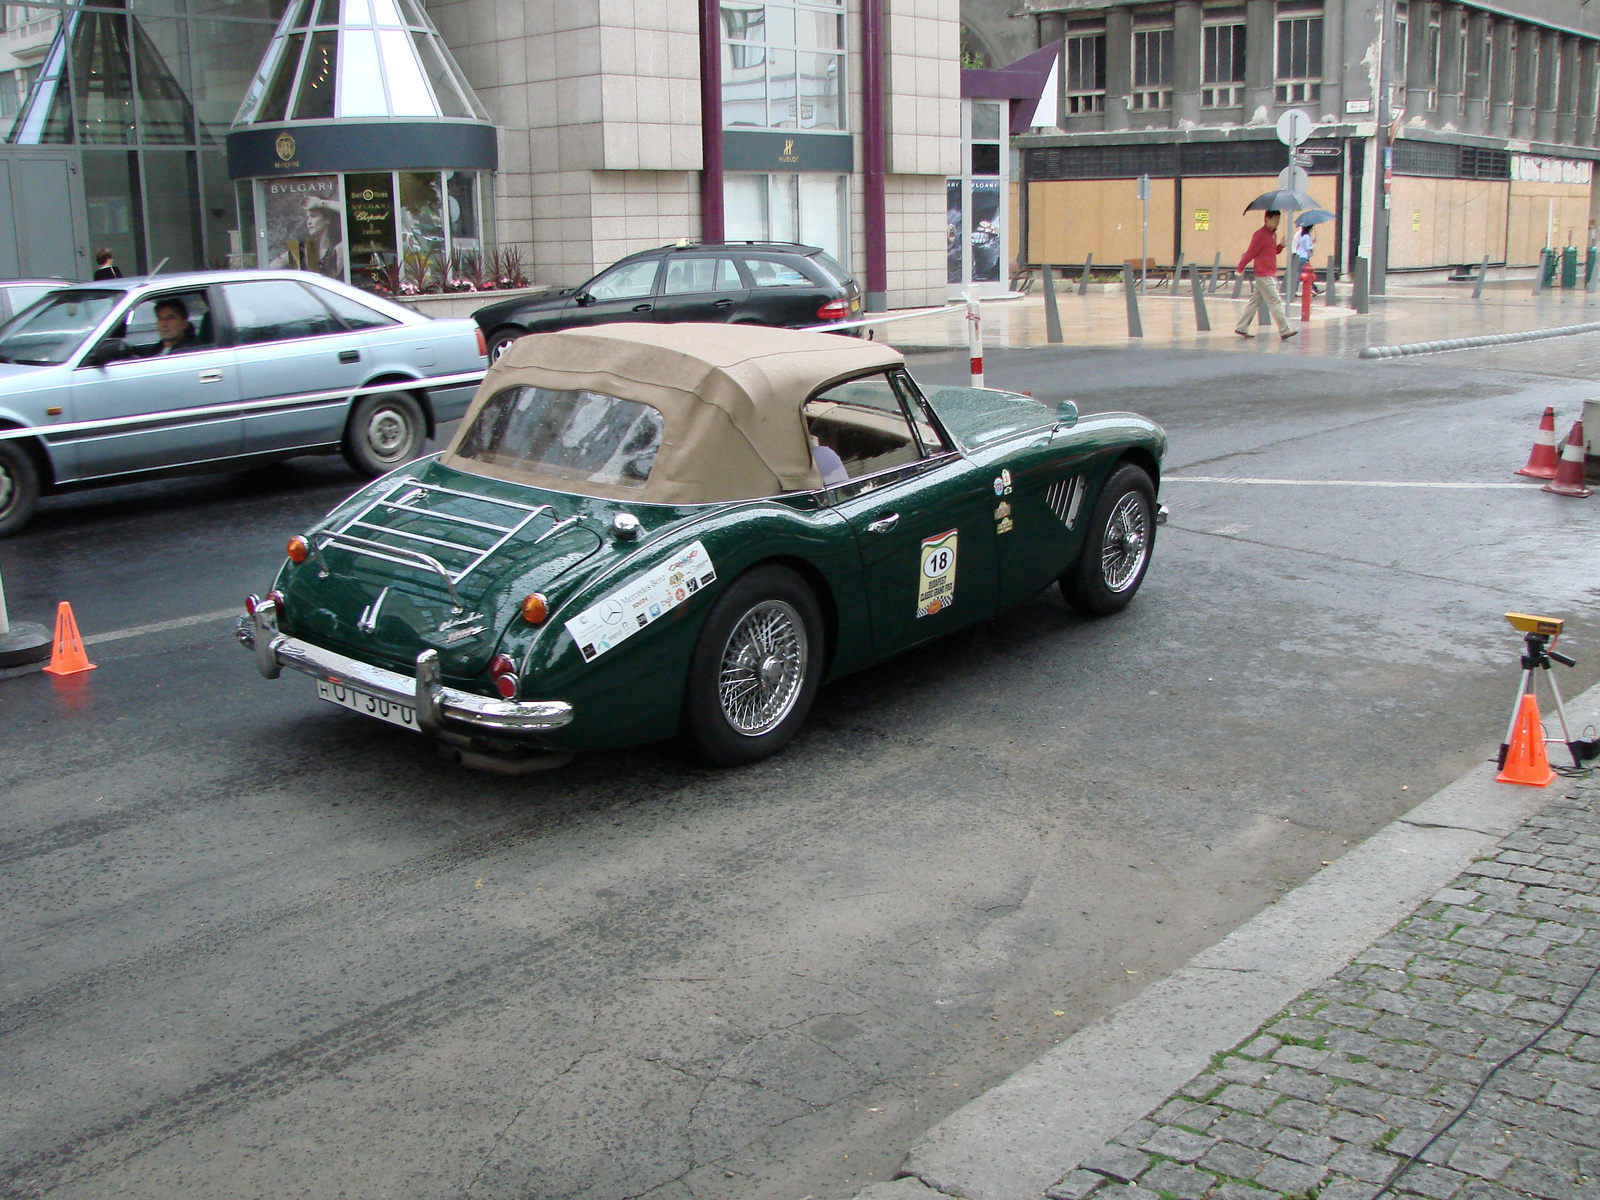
[
  {"x": 856, "y": 323},
  {"x": 1471, "y": 343},
  {"x": 182, "y": 415}
]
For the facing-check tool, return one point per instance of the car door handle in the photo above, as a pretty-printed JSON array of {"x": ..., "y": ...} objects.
[
  {"x": 723, "y": 303},
  {"x": 349, "y": 356},
  {"x": 642, "y": 307},
  {"x": 884, "y": 524},
  {"x": 212, "y": 376}
]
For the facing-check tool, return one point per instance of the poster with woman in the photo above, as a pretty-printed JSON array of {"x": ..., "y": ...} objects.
[
  {"x": 985, "y": 230},
  {"x": 305, "y": 224}
]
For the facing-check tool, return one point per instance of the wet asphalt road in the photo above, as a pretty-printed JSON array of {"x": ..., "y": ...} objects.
[{"x": 251, "y": 945}]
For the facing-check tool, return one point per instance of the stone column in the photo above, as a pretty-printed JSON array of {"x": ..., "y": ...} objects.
[
  {"x": 1332, "y": 63},
  {"x": 1186, "y": 61},
  {"x": 1260, "y": 58},
  {"x": 1119, "y": 65},
  {"x": 1450, "y": 49},
  {"x": 1052, "y": 28},
  {"x": 1474, "y": 98},
  {"x": 1525, "y": 88},
  {"x": 1419, "y": 67},
  {"x": 1502, "y": 66},
  {"x": 1588, "y": 82},
  {"x": 1567, "y": 94},
  {"x": 1544, "y": 124}
]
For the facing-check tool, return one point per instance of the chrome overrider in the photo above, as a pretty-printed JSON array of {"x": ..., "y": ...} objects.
[{"x": 438, "y": 707}]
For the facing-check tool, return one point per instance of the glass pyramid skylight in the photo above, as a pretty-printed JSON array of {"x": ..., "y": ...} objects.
[{"x": 357, "y": 58}]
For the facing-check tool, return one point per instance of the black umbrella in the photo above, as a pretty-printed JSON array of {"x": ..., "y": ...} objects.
[
  {"x": 1282, "y": 201},
  {"x": 1316, "y": 216}
]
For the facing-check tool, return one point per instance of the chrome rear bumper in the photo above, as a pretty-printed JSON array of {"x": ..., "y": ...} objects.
[{"x": 438, "y": 708}]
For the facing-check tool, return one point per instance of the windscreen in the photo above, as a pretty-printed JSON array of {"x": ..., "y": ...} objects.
[
  {"x": 566, "y": 434},
  {"x": 53, "y": 329}
]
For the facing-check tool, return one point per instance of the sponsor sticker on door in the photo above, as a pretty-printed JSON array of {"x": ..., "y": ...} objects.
[
  {"x": 647, "y": 598},
  {"x": 936, "y": 582}
]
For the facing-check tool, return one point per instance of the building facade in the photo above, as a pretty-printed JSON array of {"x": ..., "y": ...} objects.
[
  {"x": 1444, "y": 133},
  {"x": 150, "y": 127}
]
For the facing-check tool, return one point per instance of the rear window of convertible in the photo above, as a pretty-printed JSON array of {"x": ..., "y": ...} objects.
[{"x": 566, "y": 434}]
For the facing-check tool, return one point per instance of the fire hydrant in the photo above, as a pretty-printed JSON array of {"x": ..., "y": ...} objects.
[{"x": 1308, "y": 277}]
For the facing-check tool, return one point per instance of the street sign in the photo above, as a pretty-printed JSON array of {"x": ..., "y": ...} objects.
[
  {"x": 1144, "y": 187},
  {"x": 1294, "y": 127},
  {"x": 1319, "y": 151},
  {"x": 1294, "y": 179},
  {"x": 1300, "y": 159}
]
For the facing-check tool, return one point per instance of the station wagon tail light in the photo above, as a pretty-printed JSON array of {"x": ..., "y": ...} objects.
[
  {"x": 504, "y": 673},
  {"x": 834, "y": 310},
  {"x": 297, "y": 549},
  {"x": 483, "y": 346},
  {"x": 535, "y": 608}
]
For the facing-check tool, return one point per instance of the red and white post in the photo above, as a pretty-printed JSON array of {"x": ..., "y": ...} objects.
[{"x": 975, "y": 341}]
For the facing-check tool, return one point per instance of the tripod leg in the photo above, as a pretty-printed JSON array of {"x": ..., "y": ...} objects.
[
  {"x": 1516, "y": 707},
  {"x": 1561, "y": 714}
]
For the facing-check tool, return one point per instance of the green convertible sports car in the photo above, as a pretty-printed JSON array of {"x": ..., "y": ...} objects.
[{"x": 648, "y": 530}]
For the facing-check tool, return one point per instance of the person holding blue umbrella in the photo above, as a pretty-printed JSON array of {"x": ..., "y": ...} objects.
[{"x": 1262, "y": 254}]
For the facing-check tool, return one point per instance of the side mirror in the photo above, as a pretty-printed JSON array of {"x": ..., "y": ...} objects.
[
  {"x": 109, "y": 350},
  {"x": 1066, "y": 414},
  {"x": 583, "y": 299}
]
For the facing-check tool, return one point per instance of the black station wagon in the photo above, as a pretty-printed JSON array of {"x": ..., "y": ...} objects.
[{"x": 782, "y": 284}]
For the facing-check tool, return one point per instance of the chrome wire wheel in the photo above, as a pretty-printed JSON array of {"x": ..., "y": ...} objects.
[
  {"x": 1127, "y": 542},
  {"x": 763, "y": 668}
]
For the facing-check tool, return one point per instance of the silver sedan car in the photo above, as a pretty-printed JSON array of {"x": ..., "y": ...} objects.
[{"x": 217, "y": 370}]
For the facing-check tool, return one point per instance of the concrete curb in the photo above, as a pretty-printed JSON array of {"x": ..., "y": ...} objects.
[
  {"x": 1017, "y": 1139},
  {"x": 1470, "y": 343}
]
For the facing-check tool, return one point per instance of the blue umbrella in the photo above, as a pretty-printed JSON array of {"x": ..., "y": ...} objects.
[{"x": 1315, "y": 216}]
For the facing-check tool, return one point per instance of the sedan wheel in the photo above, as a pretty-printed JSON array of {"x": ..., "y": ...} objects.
[
  {"x": 755, "y": 668},
  {"x": 501, "y": 340},
  {"x": 19, "y": 487},
  {"x": 383, "y": 432},
  {"x": 1116, "y": 549}
]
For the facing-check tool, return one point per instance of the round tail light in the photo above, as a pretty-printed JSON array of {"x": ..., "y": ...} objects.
[
  {"x": 297, "y": 549},
  {"x": 506, "y": 685},
  {"x": 504, "y": 673},
  {"x": 535, "y": 608}
]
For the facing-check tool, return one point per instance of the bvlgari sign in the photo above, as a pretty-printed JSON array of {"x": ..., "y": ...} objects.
[{"x": 377, "y": 146}]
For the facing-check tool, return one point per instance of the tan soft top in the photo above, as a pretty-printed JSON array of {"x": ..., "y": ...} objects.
[{"x": 730, "y": 397}]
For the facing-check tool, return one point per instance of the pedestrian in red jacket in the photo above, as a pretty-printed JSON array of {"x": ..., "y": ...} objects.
[{"x": 1263, "y": 255}]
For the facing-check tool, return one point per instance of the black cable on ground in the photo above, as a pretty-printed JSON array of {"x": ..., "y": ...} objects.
[{"x": 1399, "y": 1171}]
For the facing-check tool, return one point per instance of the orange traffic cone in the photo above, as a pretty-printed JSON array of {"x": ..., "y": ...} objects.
[
  {"x": 1569, "y": 471},
  {"x": 1542, "y": 458},
  {"x": 1525, "y": 760},
  {"x": 68, "y": 657}
]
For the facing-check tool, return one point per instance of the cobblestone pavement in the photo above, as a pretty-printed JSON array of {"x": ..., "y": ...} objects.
[{"x": 1344, "y": 1085}]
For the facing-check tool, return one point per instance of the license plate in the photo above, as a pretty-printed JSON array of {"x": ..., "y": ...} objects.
[{"x": 403, "y": 715}]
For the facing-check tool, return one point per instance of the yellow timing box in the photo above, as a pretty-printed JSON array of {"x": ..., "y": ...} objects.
[{"x": 1526, "y": 623}]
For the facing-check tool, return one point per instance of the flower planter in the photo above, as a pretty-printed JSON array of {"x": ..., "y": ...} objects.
[{"x": 464, "y": 304}]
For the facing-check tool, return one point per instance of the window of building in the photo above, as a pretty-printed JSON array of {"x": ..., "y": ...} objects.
[
  {"x": 1397, "y": 73},
  {"x": 1086, "y": 74},
  {"x": 783, "y": 65},
  {"x": 808, "y": 207},
  {"x": 1433, "y": 61},
  {"x": 1152, "y": 70},
  {"x": 1222, "y": 66},
  {"x": 1299, "y": 57}
]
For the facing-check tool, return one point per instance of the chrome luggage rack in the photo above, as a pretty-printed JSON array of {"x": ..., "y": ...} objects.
[{"x": 401, "y": 500}]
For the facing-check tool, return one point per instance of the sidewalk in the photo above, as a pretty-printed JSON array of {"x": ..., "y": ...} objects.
[
  {"x": 1343, "y": 1031},
  {"x": 1406, "y": 314}
]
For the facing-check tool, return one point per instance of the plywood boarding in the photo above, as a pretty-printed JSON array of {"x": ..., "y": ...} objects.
[
  {"x": 1071, "y": 218},
  {"x": 1541, "y": 214},
  {"x": 1221, "y": 200}
]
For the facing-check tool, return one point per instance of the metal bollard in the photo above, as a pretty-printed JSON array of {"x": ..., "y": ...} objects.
[
  {"x": 1483, "y": 271},
  {"x": 1238, "y": 281},
  {"x": 1358, "y": 286},
  {"x": 1538, "y": 278},
  {"x": 975, "y": 341},
  {"x": 1333, "y": 284},
  {"x": 1177, "y": 273},
  {"x": 1083, "y": 284},
  {"x": 1569, "y": 267},
  {"x": 1052, "y": 317},
  {"x": 1202, "y": 321},
  {"x": 1135, "y": 325},
  {"x": 1594, "y": 279},
  {"x": 1216, "y": 269}
]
